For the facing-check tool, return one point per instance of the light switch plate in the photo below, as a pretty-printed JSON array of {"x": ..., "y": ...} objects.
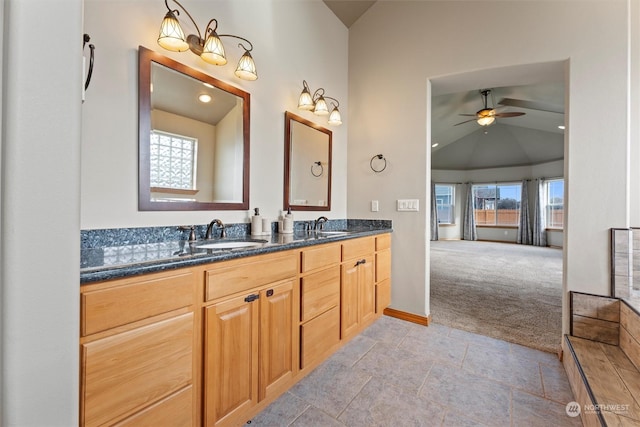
[
  {"x": 408, "y": 205},
  {"x": 374, "y": 206}
]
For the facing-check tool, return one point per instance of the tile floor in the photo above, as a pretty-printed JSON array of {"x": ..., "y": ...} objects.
[{"x": 398, "y": 373}]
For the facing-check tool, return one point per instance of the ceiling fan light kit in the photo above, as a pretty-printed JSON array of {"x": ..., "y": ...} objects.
[{"x": 487, "y": 116}]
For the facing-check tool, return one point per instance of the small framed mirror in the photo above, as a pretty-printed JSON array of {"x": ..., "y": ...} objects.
[
  {"x": 193, "y": 138},
  {"x": 307, "y": 165}
]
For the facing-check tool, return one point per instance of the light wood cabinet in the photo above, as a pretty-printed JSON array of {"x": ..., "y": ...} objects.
[
  {"x": 250, "y": 338},
  {"x": 137, "y": 351},
  {"x": 215, "y": 344},
  {"x": 357, "y": 287}
]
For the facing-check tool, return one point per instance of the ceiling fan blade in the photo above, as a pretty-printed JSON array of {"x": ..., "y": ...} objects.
[
  {"x": 514, "y": 114},
  {"x": 532, "y": 105},
  {"x": 466, "y": 121},
  {"x": 468, "y": 115}
]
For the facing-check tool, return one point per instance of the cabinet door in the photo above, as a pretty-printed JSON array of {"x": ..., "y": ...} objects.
[
  {"x": 231, "y": 359},
  {"x": 349, "y": 298},
  {"x": 367, "y": 299},
  {"x": 276, "y": 338}
]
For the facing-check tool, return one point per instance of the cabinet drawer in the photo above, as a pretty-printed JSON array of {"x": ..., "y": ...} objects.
[
  {"x": 383, "y": 241},
  {"x": 319, "y": 336},
  {"x": 383, "y": 295},
  {"x": 135, "y": 300},
  {"x": 128, "y": 371},
  {"x": 244, "y": 274},
  {"x": 175, "y": 410},
  {"x": 358, "y": 247},
  {"x": 319, "y": 257},
  {"x": 383, "y": 265},
  {"x": 319, "y": 292}
]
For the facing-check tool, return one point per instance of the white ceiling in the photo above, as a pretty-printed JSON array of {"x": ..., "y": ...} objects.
[{"x": 534, "y": 89}]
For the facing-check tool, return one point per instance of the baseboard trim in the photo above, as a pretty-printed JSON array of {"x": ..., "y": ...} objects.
[{"x": 409, "y": 317}]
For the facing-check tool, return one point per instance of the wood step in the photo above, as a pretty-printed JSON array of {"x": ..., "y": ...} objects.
[{"x": 611, "y": 380}]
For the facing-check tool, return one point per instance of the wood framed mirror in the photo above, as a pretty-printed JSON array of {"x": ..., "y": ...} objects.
[
  {"x": 193, "y": 144},
  {"x": 307, "y": 165}
]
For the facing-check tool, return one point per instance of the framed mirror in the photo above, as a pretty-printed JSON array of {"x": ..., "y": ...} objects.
[
  {"x": 193, "y": 139},
  {"x": 307, "y": 165}
]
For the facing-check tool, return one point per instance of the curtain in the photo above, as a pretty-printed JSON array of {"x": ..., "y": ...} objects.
[
  {"x": 524, "y": 226},
  {"x": 469, "y": 221},
  {"x": 539, "y": 216},
  {"x": 434, "y": 213}
]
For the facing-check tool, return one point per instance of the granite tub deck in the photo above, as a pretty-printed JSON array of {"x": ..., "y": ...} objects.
[{"x": 117, "y": 253}]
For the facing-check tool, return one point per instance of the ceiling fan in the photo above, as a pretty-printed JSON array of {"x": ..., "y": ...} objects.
[{"x": 487, "y": 115}]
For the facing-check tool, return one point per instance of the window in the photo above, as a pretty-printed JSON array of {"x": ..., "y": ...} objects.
[
  {"x": 555, "y": 203},
  {"x": 497, "y": 204},
  {"x": 173, "y": 160},
  {"x": 445, "y": 194}
]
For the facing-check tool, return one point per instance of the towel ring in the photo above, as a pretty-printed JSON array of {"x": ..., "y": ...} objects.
[
  {"x": 321, "y": 169},
  {"x": 379, "y": 157}
]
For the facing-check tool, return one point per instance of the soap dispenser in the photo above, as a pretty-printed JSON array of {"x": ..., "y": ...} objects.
[
  {"x": 256, "y": 223},
  {"x": 287, "y": 222}
]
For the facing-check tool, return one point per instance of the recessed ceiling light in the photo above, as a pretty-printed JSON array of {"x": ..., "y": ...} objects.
[
  {"x": 435, "y": 144},
  {"x": 204, "y": 98},
  {"x": 561, "y": 127}
]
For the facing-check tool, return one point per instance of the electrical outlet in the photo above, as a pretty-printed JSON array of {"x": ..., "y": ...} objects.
[
  {"x": 374, "y": 206},
  {"x": 407, "y": 205}
]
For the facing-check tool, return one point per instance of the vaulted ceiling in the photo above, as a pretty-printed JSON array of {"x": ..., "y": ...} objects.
[{"x": 535, "y": 89}]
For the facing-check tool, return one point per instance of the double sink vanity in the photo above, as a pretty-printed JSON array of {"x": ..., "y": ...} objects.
[{"x": 210, "y": 332}]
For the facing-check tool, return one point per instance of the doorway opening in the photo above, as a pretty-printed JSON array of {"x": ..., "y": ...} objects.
[{"x": 492, "y": 185}]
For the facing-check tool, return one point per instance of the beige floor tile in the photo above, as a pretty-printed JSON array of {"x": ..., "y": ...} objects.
[
  {"x": 388, "y": 329},
  {"x": 471, "y": 338},
  {"x": 315, "y": 417},
  {"x": 437, "y": 346},
  {"x": 354, "y": 350},
  {"x": 531, "y": 411},
  {"x": 282, "y": 412},
  {"x": 556, "y": 384}
]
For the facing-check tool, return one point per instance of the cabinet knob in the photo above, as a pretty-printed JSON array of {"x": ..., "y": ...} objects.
[{"x": 270, "y": 292}]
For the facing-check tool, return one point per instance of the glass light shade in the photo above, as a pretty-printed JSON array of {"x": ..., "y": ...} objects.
[
  {"x": 486, "y": 121},
  {"x": 213, "y": 51},
  {"x": 171, "y": 36},
  {"x": 321, "y": 107},
  {"x": 246, "y": 67},
  {"x": 334, "y": 117},
  {"x": 305, "y": 102}
]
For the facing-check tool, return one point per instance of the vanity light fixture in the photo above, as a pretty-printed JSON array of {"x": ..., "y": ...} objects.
[
  {"x": 318, "y": 104},
  {"x": 209, "y": 48}
]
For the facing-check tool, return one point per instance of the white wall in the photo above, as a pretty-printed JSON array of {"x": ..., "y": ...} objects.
[
  {"x": 424, "y": 40},
  {"x": 293, "y": 40},
  {"x": 40, "y": 251}
]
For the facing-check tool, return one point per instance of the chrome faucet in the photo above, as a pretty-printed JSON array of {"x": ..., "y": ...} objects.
[
  {"x": 210, "y": 229},
  {"x": 320, "y": 223}
]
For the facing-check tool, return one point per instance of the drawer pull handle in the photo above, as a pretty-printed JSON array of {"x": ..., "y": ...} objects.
[
  {"x": 362, "y": 261},
  {"x": 270, "y": 292},
  {"x": 252, "y": 297}
]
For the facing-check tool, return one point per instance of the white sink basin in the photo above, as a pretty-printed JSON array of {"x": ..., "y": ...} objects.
[
  {"x": 231, "y": 244},
  {"x": 332, "y": 233}
]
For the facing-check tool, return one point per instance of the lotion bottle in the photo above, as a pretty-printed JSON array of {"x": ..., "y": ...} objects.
[
  {"x": 256, "y": 223},
  {"x": 287, "y": 222}
]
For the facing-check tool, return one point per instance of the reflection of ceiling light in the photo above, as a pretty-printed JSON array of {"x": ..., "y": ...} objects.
[
  {"x": 561, "y": 127},
  {"x": 435, "y": 144},
  {"x": 209, "y": 85},
  {"x": 204, "y": 98}
]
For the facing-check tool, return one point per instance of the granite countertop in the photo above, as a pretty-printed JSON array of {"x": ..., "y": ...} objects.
[{"x": 124, "y": 260}]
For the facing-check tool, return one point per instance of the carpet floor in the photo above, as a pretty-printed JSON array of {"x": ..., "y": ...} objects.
[{"x": 505, "y": 291}]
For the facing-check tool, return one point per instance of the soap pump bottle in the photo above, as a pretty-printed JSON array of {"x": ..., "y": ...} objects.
[
  {"x": 288, "y": 221},
  {"x": 256, "y": 223}
]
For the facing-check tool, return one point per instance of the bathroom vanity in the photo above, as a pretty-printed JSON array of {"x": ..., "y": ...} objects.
[{"x": 212, "y": 338}]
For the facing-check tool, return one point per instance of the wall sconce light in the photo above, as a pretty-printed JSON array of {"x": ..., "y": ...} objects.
[
  {"x": 318, "y": 104},
  {"x": 209, "y": 48}
]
